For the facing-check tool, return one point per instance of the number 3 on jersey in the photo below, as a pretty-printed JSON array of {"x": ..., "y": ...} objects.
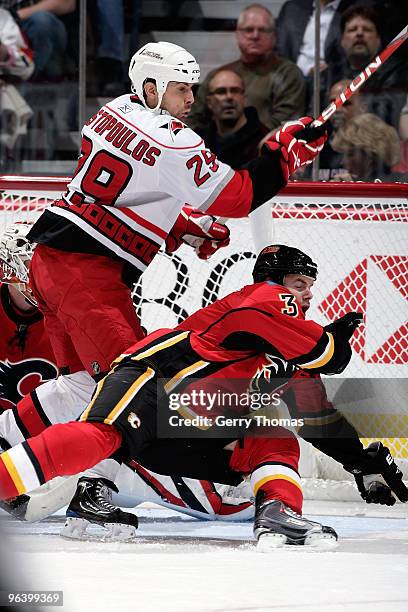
[
  {"x": 197, "y": 161},
  {"x": 291, "y": 307}
]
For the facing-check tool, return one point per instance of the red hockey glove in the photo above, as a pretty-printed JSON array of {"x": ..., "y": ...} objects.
[
  {"x": 298, "y": 144},
  {"x": 198, "y": 230}
]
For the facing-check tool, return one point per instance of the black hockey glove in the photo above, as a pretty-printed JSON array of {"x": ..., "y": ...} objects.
[
  {"x": 378, "y": 477},
  {"x": 346, "y": 325},
  {"x": 309, "y": 133}
]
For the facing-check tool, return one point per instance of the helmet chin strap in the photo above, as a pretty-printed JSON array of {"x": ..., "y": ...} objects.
[{"x": 153, "y": 109}]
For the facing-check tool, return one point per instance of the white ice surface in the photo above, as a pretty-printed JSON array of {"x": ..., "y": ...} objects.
[{"x": 180, "y": 564}]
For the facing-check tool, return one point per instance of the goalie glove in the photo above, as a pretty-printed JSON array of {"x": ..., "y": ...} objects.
[
  {"x": 378, "y": 478},
  {"x": 199, "y": 230},
  {"x": 298, "y": 144}
]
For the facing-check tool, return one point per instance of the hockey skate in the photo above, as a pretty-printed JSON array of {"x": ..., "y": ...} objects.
[
  {"x": 92, "y": 504},
  {"x": 277, "y": 525}
]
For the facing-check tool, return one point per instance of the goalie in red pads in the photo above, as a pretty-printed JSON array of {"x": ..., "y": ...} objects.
[{"x": 26, "y": 357}]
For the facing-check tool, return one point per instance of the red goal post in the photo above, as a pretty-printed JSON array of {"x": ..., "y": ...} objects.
[{"x": 356, "y": 232}]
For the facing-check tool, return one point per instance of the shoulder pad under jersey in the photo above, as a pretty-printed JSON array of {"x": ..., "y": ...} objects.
[
  {"x": 164, "y": 129},
  {"x": 174, "y": 133}
]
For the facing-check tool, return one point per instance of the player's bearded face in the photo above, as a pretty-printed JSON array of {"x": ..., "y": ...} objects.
[
  {"x": 178, "y": 99},
  {"x": 301, "y": 287}
]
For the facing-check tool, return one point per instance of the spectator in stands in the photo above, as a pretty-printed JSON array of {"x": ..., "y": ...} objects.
[
  {"x": 235, "y": 130},
  {"x": 403, "y": 126},
  {"x": 370, "y": 147},
  {"x": 16, "y": 64},
  {"x": 331, "y": 162},
  {"x": 46, "y": 32},
  {"x": 109, "y": 77},
  {"x": 274, "y": 85},
  {"x": 386, "y": 90},
  {"x": 296, "y": 32},
  {"x": 402, "y": 165}
]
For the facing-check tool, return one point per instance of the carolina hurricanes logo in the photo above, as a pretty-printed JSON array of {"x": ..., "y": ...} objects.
[
  {"x": 268, "y": 377},
  {"x": 176, "y": 126},
  {"x": 19, "y": 378}
]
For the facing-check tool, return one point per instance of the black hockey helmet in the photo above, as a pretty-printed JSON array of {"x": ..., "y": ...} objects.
[{"x": 277, "y": 260}]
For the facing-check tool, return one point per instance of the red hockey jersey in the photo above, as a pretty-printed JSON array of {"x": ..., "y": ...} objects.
[
  {"x": 257, "y": 331},
  {"x": 26, "y": 357}
]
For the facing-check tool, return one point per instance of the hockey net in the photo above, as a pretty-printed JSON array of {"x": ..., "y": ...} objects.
[{"x": 356, "y": 232}]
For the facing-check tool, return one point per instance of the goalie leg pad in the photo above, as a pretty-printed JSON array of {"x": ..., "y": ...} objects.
[
  {"x": 59, "y": 400},
  {"x": 10, "y": 430}
]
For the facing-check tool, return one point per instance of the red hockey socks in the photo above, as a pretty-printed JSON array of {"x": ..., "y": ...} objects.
[
  {"x": 273, "y": 464},
  {"x": 61, "y": 450}
]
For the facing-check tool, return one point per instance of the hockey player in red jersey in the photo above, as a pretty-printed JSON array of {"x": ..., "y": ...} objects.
[
  {"x": 139, "y": 164},
  {"x": 26, "y": 356},
  {"x": 217, "y": 340},
  {"x": 64, "y": 398}
]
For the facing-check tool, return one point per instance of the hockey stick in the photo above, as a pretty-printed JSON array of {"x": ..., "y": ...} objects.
[{"x": 361, "y": 78}]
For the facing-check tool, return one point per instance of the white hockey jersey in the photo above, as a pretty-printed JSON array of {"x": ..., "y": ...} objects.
[{"x": 135, "y": 172}]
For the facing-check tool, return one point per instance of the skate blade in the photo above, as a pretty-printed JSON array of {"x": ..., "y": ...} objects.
[
  {"x": 76, "y": 529},
  {"x": 321, "y": 541},
  {"x": 270, "y": 541}
]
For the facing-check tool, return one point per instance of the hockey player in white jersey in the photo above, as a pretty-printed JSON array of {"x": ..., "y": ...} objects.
[{"x": 139, "y": 164}]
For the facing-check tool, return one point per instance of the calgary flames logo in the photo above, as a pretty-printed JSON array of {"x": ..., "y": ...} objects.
[
  {"x": 19, "y": 378},
  {"x": 271, "y": 375}
]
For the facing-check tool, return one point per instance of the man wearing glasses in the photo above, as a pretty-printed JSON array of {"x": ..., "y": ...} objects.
[
  {"x": 235, "y": 130},
  {"x": 273, "y": 85}
]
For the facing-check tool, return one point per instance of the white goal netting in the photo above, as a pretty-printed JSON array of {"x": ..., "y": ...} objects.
[{"x": 358, "y": 235}]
